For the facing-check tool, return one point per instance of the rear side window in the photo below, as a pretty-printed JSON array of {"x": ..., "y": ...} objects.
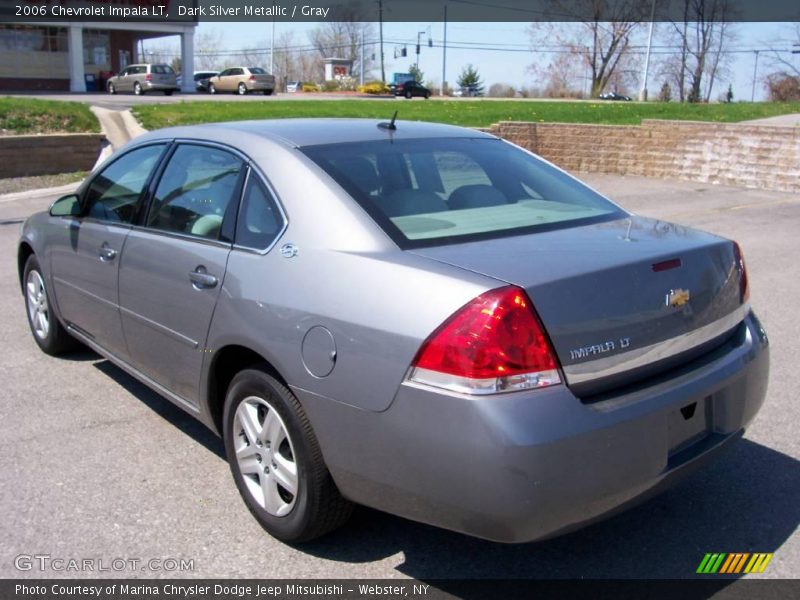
[
  {"x": 115, "y": 194},
  {"x": 196, "y": 191},
  {"x": 162, "y": 69},
  {"x": 435, "y": 191},
  {"x": 257, "y": 71},
  {"x": 260, "y": 220}
]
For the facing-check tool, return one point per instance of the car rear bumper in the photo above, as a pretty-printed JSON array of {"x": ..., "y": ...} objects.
[
  {"x": 159, "y": 87},
  {"x": 256, "y": 86},
  {"x": 525, "y": 466}
]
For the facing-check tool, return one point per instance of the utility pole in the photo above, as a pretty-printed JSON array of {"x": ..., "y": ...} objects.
[
  {"x": 444, "y": 54},
  {"x": 361, "y": 60},
  {"x": 380, "y": 20},
  {"x": 272, "y": 49},
  {"x": 755, "y": 77},
  {"x": 643, "y": 92}
]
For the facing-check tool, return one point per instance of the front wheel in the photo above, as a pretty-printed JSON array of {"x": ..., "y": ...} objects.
[
  {"x": 48, "y": 332},
  {"x": 408, "y": 95},
  {"x": 111, "y": 89},
  {"x": 212, "y": 89},
  {"x": 276, "y": 461},
  {"x": 242, "y": 89}
]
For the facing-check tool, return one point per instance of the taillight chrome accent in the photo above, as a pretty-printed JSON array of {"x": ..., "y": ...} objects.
[
  {"x": 493, "y": 344},
  {"x": 744, "y": 283}
]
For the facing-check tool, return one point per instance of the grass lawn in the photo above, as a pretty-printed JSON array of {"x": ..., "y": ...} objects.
[
  {"x": 469, "y": 113},
  {"x": 27, "y": 115}
]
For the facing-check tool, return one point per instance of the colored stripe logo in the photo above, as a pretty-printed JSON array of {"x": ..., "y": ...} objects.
[{"x": 720, "y": 563}]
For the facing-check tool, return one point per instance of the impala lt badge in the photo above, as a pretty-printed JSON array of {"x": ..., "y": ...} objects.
[{"x": 677, "y": 298}]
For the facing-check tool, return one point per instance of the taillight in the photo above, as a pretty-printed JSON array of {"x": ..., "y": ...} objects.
[
  {"x": 252, "y": 77},
  {"x": 148, "y": 77},
  {"x": 744, "y": 284},
  {"x": 493, "y": 344}
]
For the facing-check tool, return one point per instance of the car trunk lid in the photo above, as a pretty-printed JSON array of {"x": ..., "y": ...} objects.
[{"x": 619, "y": 299}]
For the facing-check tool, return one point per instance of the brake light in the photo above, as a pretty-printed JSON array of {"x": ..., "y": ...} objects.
[
  {"x": 744, "y": 283},
  {"x": 252, "y": 77},
  {"x": 493, "y": 344},
  {"x": 148, "y": 77}
]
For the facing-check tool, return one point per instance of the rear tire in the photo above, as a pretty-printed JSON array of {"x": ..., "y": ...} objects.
[
  {"x": 48, "y": 332},
  {"x": 137, "y": 89},
  {"x": 268, "y": 92},
  {"x": 168, "y": 92},
  {"x": 241, "y": 89},
  {"x": 276, "y": 460},
  {"x": 408, "y": 95}
]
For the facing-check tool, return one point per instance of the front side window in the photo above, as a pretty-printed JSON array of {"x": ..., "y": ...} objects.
[
  {"x": 259, "y": 221},
  {"x": 115, "y": 194},
  {"x": 196, "y": 191},
  {"x": 433, "y": 191}
]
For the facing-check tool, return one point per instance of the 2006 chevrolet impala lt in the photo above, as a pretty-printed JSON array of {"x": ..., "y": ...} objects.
[{"x": 420, "y": 318}]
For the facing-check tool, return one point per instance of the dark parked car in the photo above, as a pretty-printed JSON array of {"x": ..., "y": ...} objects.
[
  {"x": 453, "y": 330},
  {"x": 614, "y": 96},
  {"x": 409, "y": 89}
]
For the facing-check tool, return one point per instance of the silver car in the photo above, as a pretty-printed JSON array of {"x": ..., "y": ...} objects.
[
  {"x": 143, "y": 78},
  {"x": 420, "y": 318}
]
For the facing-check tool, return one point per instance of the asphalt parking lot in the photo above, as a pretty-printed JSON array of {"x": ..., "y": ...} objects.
[{"x": 94, "y": 465}]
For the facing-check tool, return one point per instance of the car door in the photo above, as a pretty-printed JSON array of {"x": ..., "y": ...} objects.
[
  {"x": 173, "y": 266},
  {"x": 127, "y": 80},
  {"x": 85, "y": 252}
]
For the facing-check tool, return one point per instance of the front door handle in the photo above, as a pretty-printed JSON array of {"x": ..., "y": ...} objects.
[
  {"x": 107, "y": 253},
  {"x": 202, "y": 279}
]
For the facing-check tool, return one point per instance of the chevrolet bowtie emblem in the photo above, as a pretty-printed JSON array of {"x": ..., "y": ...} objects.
[{"x": 677, "y": 297}]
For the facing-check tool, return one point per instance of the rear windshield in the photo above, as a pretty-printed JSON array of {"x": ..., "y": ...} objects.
[
  {"x": 437, "y": 191},
  {"x": 257, "y": 71},
  {"x": 162, "y": 69}
]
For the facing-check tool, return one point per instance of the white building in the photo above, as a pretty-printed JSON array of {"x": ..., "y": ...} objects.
[{"x": 40, "y": 56}]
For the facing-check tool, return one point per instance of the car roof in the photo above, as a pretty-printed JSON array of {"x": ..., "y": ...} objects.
[{"x": 313, "y": 132}]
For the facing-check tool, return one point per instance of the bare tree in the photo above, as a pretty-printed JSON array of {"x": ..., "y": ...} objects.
[
  {"x": 703, "y": 36},
  {"x": 781, "y": 59},
  {"x": 207, "y": 44},
  {"x": 342, "y": 39},
  {"x": 601, "y": 44}
]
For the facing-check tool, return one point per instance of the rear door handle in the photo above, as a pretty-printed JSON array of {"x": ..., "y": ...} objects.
[
  {"x": 107, "y": 253},
  {"x": 202, "y": 279}
]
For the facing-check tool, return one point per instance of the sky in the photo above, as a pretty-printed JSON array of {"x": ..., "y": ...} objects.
[{"x": 510, "y": 65}]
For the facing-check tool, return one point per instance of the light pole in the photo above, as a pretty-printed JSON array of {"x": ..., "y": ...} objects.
[
  {"x": 419, "y": 33},
  {"x": 444, "y": 54},
  {"x": 643, "y": 92},
  {"x": 755, "y": 77}
]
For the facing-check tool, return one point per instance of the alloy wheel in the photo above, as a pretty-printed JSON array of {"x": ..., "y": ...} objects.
[
  {"x": 265, "y": 456},
  {"x": 38, "y": 310}
]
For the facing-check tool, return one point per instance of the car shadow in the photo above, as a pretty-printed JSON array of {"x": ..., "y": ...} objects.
[
  {"x": 164, "y": 408},
  {"x": 745, "y": 502}
]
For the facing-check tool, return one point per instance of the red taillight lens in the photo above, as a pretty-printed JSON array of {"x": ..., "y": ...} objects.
[
  {"x": 744, "y": 284},
  {"x": 148, "y": 77},
  {"x": 252, "y": 77},
  {"x": 493, "y": 344}
]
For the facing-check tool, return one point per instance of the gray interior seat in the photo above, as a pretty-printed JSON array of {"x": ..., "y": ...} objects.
[
  {"x": 476, "y": 196},
  {"x": 411, "y": 202}
]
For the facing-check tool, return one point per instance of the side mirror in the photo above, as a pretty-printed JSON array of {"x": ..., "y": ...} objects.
[{"x": 67, "y": 206}]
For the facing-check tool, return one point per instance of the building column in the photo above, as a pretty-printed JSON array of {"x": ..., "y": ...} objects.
[
  {"x": 187, "y": 60},
  {"x": 77, "y": 83}
]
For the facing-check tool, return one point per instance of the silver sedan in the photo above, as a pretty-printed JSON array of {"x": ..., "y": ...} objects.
[{"x": 420, "y": 318}]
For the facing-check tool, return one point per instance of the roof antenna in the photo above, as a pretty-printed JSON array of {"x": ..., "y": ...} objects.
[{"x": 390, "y": 126}]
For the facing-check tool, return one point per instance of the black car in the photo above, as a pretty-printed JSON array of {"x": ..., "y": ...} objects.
[
  {"x": 409, "y": 89},
  {"x": 614, "y": 96}
]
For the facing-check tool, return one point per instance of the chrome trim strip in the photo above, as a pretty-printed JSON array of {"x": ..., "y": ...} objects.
[
  {"x": 84, "y": 292},
  {"x": 157, "y": 387},
  {"x": 187, "y": 341},
  {"x": 639, "y": 357}
]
